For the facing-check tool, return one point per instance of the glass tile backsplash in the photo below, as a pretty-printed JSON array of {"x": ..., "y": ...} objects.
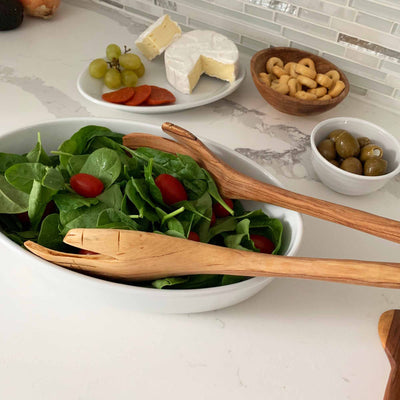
[{"x": 362, "y": 37}]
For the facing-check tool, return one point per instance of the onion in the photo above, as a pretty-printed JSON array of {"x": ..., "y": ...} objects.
[{"x": 41, "y": 8}]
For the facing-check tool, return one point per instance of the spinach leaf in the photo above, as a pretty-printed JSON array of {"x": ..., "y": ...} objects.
[
  {"x": 167, "y": 282},
  {"x": 242, "y": 234},
  {"x": 188, "y": 282},
  {"x": 151, "y": 184},
  {"x": 84, "y": 217},
  {"x": 144, "y": 208},
  {"x": 53, "y": 179},
  {"x": 38, "y": 155},
  {"x": 50, "y": 235},
  {"x": 38, "y": 199},
  {"x": 112, "y": 197},
  {"x": 213, "y": 190},
  {"x": 12, "y": 200},
  {"x": 230, "y": 279},
  {"x": 67, "y": 202},
  {"x": 104, "y": 164},
  {"x": 7, "y": 160},
  {"x": 75, "y": 163},
  {"x": 115, "y": 219},
  {"x": 180, "y": 166},
  {"x": 22, "y": 176},
  {"x": 81, "y": 140}
]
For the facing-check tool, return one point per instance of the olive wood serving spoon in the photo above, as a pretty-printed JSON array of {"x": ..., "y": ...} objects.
[
  {"x": 133, "y": 255},
  {"x": 389, "y": 333},
  {"x": 235, "y": 185}
]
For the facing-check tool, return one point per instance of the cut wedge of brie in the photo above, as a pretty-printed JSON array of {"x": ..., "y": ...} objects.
[
  {"x": 158, "y": 36},
  {"x": 197, "y": 52}
]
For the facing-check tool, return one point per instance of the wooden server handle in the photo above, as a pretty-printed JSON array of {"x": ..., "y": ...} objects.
[{"x": 389, "y": 332}]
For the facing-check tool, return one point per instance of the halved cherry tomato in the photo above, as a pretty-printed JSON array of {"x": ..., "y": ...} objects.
[
  {"x": 50, "y": 209},
  {"x": 24, "y": 218},
  {"x": 86, "y": 252},
  {"x": 86, "y": 185},
  {"x": 194, "y": 236},
  {"x": 171, "y": 189},
  {"x": 220, "y": 211},
  {"x": 213, "y": 219},
  {"x": 262, "y": 243}
]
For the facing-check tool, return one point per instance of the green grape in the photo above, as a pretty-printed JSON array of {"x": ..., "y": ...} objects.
[
  {"x": 112, "y": 79},
  {"x": 129, "y": 61},
  {"x": 113, "y": 51},
  {"x": 129, "y": 78},
  {"x": 97, "y": 68},
  {"x": 140, "y": 71}
]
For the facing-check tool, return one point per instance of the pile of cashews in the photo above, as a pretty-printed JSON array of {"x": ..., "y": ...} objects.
[{"x": 301, "y": 80}]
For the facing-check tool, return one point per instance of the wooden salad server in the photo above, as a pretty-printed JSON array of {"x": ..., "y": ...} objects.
[
  {"x": 135, "y": 255},
  {"x": 235, "y": 185},
  {"x": 389, "y": 333}
]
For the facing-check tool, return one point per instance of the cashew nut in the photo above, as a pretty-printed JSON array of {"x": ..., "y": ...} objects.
[
  {"x": 326, "y": 97},
  {"x": 334, "y": 75},
  {"x": 337, "y": 89},
  {"x": 301, "y": 94},
  {"x": 294, "y": 86},
  {"x": 273, "y": 61},
  {"x": 281, "y": 85},
  {"x": 306, "y": 81},
  {"x": 278, "y": 71},
  {"x": 324, "y": 80},
  {"x": 307, "y": 62},
  {"x": 319, "y": 91},
  {"x": 266, "y": 78},
  {"x": 305, "y": 71}
]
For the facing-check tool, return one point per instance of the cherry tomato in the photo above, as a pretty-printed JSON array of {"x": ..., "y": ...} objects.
[
  {"x": 24, "y": 218},
  {"x": 194, "y": 236},
  {"x": 86, "y": 252},
  {"x": 262, "y": 243},
  {"x": 171, "y": 189},
  {"x": 213, "y": 219},
  {"x": 86, "y": 185},
  {"x": 221, "y": 211},
  {"x": 50, "y": 209}
]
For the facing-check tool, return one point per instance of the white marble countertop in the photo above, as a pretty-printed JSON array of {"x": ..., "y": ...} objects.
[{"x": 296, "y": 339}]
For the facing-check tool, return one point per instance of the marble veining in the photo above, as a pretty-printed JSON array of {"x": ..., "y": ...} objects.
[
  {"x": 291, "y": 159},
  {"x": 56, "y": 102}
]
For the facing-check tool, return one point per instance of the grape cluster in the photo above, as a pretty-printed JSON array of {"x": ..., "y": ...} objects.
[{"x": 120, "y": 69}]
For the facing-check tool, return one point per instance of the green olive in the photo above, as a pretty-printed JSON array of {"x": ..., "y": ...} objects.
[
  {"x": 353, "y": 165},
  {"x": 370, "y": 151},
  {"x": 363, "y": 141},
  {"x": 327, "y": 149},
  {"x": 346, "y": 145},
  {"x": 375, "y": 166},
  {"x": 334, "y": 162},
  {"x": 334, "y": 134}
]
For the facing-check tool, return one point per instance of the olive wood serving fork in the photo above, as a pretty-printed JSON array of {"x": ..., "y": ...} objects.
[
  {"x": 389, "y": 333},
  {"x": 125, "y": 255},
  {"x": 235, "y": 185}
]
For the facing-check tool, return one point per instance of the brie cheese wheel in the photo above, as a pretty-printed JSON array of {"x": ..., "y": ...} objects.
[
  {"x": 158, "y": 36},
  {"x": 197, "y": 52}
]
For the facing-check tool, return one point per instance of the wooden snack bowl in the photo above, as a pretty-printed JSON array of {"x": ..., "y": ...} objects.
[{"x": 285, "y": 103}]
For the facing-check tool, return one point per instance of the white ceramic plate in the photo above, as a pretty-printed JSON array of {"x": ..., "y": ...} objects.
[
  {"x": 207, "y": 90},
  {"x": 146, "y": 299}
]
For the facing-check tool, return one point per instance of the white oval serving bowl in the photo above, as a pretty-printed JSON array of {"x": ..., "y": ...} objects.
[
  {"x": 148, "y": 299},
  {"x": 346, "y": 182}
]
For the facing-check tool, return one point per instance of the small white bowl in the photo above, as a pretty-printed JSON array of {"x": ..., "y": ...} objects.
[
  {"x": 136, "y": 297},
  {"x": 346, "y": 182}
]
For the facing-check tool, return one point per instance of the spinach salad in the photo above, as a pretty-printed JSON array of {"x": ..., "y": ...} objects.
[{"x": 37, "y": 201}]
